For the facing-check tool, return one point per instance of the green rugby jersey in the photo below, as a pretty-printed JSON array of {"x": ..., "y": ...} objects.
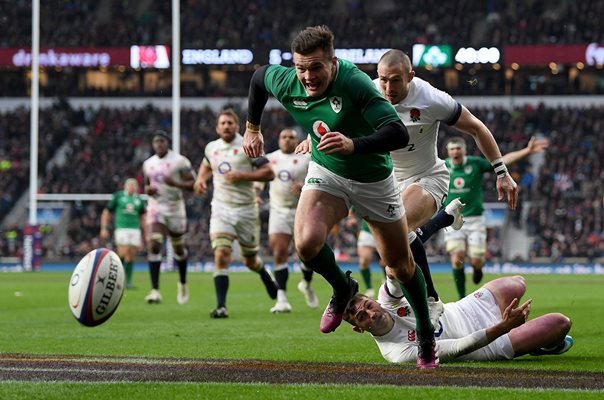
[
  {"x": 466, "y": 183},
  {"x": 127, "y": 209},
  {"x": 365, "y": 226},
  {"x": 351, "y": 105}
]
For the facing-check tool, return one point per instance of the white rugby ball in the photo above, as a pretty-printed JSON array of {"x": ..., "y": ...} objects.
[{"x": 96, "y": 287}]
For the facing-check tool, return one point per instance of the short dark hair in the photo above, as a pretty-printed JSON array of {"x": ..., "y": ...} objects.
[
  {"x": 313, "y": 38},
  {"x": 350, "y": 309},
  {"x": 230, "y": 113},
  {"x": 161, "y": 133}
]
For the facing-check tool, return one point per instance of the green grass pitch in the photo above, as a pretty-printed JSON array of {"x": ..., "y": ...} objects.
[{"x": 35, "y": 319}]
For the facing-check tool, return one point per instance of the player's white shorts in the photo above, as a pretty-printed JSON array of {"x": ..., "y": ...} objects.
[
  {"x": 281, "y": 220},
  {"x": 365, "y": 239},
  {"x": 434, "y": 181},
  {"x": 476, "y": 311},
  {"x": 471, "y": 238},
  {"x": 243, "y": 223},
  {"x": 174, "y": 221},
  {"x": 128, "y": 237},
  {"x": 378, "y": 201}
]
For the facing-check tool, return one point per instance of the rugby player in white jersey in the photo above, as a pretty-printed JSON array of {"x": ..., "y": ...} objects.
[
  {"x": 235, "y": 214},
  {"x": 423, "y": 176},
  {"x": 284, "y": 192},
  {"x": 486, "y": 325},
  {"x": 167, "y": 173}
]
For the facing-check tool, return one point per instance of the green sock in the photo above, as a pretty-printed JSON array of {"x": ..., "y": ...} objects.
[
  {"x": 324, "y": 264},
  {"x": 128, "y": 266},
  {"x": 459, "y": 277},
  {"x": 416, "y": 295},
  {"x": 366, "y": 275}
]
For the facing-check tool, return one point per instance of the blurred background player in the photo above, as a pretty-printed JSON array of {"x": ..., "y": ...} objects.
[
  {"x": 366, "y": 250},
  {"x": 466, "y": 184},
  {"x": 290, "y": 170},
  {"x": 129, "y": 209},
  {"x": 487, "y": 325},
  {"x": 235, "y": 214},
  {"x": 167, "y": 173}
]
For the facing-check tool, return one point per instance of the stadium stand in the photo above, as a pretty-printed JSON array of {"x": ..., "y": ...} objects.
[
  {"x": 271, "y": 22},
  {"x": 110, "y": 144},
  {"x": 561, "y": 201}
]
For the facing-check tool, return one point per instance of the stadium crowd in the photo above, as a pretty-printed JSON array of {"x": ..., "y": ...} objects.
[
  {"x": 109, "y": 144},
  {"x": 265, "y": 24},
  {"x": 566, "y": 214},
  {"x": 356, "y": 23}
]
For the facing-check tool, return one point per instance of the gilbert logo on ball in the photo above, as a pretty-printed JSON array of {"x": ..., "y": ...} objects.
[{"x": 96, "y": 287}]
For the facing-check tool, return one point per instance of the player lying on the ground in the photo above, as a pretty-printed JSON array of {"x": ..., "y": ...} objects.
[{"x": 486, "y": 325}]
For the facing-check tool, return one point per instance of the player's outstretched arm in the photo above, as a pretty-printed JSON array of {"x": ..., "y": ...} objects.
[
  {"x": 534, "y": 146},
  {"x": 253, "y": 141},
  {"x": 485, "y": 141}
]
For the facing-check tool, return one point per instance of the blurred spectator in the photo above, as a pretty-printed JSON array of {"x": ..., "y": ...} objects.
[{"x": 258, "y": 23}]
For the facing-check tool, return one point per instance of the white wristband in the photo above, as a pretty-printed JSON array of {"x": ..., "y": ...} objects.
[{"x": 500, "y": 169}]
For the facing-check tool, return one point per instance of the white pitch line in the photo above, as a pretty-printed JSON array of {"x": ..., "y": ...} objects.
[{"x": 98, "y": 371}]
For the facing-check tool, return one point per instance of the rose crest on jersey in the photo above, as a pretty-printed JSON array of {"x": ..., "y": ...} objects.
[
  {"x": 320, "y": 128},
  {"x": 336, "y": 103},
  {"x": 414, "y": 114},
  {"x": 403, "y": 311}
]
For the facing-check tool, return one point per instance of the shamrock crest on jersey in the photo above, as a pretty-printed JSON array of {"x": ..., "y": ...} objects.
[{"x": 336, "y": 103}]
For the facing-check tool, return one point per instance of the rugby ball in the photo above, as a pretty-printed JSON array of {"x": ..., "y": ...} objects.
[{"x": 96, "y": 287}]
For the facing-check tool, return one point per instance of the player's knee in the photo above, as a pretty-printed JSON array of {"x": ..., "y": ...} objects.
[
  {"x": 477, "y": 263},
  {"x": 307, "y": 250},
  {"x": 156, "y": 243},
  {"x": 563, "y": 322},
  {"x": 404, "y": 274},
  {"x": 182, "y": 255},
  {"x": 458, "y": 259},
  {"x": 253, "y": 262},
  {"x": 222, "y": 257},
  {"x": 520, "y": 283},
  {"x": 178, "y": 244}
]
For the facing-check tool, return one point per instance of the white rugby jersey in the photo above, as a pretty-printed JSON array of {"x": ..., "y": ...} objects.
[
  {"x": 222, "y": 158},
  {"x": 168, "y": 198},
  {"x": 421, "y": 112},
  {"x": 458, "y": 331},
  {"x": 288, "y": 168}
]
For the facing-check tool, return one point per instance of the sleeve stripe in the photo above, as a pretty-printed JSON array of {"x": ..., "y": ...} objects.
[{"x": 456, "y": 114}]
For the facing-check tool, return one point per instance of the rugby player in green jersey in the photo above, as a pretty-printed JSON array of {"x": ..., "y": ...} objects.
[
  {"x": 353, "y": 128},
  {"x": 466, "y": 184},
  {"x": 129, "y": 209}
]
